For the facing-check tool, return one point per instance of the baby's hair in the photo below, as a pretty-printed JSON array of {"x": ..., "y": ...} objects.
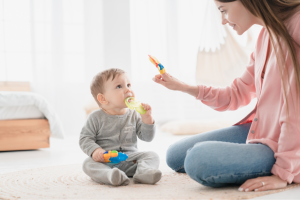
[{"x": 98, "y": 82}]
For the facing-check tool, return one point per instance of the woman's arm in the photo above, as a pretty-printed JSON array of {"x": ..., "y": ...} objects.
[
  {"x": 239, "y": 93},
  {"x": 190, "y": 89},
  {"x": 173, "y": 83}
]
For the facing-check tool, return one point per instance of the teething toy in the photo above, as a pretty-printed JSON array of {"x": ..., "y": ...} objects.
[
  {"x": 131, "y": 103},
  {"x": 159, "y": 66}
]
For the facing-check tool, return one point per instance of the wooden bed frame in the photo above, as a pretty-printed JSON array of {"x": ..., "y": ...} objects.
[{"x": 22, "y": 134}]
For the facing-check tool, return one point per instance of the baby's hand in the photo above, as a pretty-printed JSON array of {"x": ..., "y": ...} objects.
[
  {"x": 148, "y": 109},
  {"x": 147, "y": 118},
  {"x": 97, "y": 155}
]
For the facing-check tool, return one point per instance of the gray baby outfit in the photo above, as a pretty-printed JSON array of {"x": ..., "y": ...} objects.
[{"x": 119, "y": 132}]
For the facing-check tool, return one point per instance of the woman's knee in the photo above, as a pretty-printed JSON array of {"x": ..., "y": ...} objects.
[
  {"x": 174, "y": 158},
  {"x": 199, "y": 164},
  {"x": 176, "y": 153},
  {"x": 170, "y": 156}
]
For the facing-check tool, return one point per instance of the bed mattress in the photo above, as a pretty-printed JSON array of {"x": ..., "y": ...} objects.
[
  {"x": 20, "y": 112},
  {"x": 28, "y": 105}
]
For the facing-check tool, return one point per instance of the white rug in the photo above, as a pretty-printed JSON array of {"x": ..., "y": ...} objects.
[{"x": 69, "y": 182}]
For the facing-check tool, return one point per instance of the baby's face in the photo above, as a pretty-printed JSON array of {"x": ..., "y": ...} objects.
[{"x": 117, "y": 90}]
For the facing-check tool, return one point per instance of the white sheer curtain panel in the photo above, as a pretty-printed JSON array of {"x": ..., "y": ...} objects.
[
  {"x": 57, "y": 46},
  {"x": 70, "y": 54},
  {"x": 58, "y": 58},
  {"x": 15, "y": 40}
]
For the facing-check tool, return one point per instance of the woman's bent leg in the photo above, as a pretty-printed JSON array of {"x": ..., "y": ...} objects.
[
  {"x": 218, "y": 164},
  {"x": 177, "y": 152}
]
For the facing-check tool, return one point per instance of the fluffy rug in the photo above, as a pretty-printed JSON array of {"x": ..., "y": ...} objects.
[{"x": 69, "y": 182}]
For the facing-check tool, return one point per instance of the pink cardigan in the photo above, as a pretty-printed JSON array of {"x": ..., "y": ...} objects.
[{"x": 269, "y": 118}]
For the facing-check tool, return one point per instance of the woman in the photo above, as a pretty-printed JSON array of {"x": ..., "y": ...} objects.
[{"x": 262, "y": 151}]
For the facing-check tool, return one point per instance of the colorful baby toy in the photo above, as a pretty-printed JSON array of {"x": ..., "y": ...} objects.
[
  {"x": 131, "y": 103},
  {"x": 114, "y": 156},
  {"x": 159, "y": 66}
]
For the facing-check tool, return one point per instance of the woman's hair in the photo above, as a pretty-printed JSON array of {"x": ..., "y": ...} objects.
[{"x": 274, "y": 13}]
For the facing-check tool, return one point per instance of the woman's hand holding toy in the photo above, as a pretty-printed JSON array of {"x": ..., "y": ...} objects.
[
  {"x": 173, "y": 83},
  {"x": 169, "y": 81}
]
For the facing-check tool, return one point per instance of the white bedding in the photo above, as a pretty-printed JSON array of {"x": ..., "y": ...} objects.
[
  {"x": 27, "y": 105},
  {"x": 20, "y": 112}
]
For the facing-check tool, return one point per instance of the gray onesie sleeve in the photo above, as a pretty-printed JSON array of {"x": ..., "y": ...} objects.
[
  {"x": 88, "y": 135},
  {"x": 145, "y": 132}
]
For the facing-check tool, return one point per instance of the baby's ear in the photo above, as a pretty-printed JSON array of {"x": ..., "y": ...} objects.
[{"x": 101, "y": 99}]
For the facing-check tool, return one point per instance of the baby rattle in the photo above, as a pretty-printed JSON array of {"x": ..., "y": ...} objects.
[{"x": 159, "y": 66}]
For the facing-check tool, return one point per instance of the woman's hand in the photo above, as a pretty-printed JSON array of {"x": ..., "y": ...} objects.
[
  {"x": 263, "y": 183},
  {"x": 168, "y": 81},
  {"x": 173, "y": 83}
]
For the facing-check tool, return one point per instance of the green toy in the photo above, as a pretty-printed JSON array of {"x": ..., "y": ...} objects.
[{"x": 131, "y": 103}]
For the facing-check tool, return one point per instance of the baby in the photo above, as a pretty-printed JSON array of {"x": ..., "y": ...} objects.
[{"x": 115, "y": 127}]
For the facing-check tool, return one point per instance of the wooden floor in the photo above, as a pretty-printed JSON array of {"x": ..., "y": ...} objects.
[{"x": 63, "y": 152}]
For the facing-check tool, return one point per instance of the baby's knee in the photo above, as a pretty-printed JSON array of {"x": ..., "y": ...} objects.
[
  {"x": 87, "y": 165},
  {"x": 151, "y": 155}
]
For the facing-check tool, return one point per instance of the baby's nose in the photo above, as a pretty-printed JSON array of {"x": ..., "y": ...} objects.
[{"x": 128, "y": 89}]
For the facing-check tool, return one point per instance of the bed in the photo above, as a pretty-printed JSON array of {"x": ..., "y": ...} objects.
[{"x": 26, "y": 119}]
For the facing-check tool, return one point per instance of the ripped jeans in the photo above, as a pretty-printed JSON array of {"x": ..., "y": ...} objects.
[{"x": 221, "y": 157}]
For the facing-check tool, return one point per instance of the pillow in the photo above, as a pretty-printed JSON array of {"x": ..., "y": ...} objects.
[{"x": 191, "y": 127}]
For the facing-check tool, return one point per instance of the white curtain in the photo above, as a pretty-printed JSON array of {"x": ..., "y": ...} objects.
[
  {"x": 63, "y": 75},
  {"x": 58, "y": 68},
  {"x": 59, "y": 45},
  {"x": 56, "y": 45}
]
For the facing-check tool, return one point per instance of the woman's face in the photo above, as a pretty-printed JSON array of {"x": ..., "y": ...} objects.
[{"x": 236, "y": 15}]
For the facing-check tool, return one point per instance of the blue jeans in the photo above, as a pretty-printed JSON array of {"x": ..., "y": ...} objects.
[{"x": 221, "y": 157}]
